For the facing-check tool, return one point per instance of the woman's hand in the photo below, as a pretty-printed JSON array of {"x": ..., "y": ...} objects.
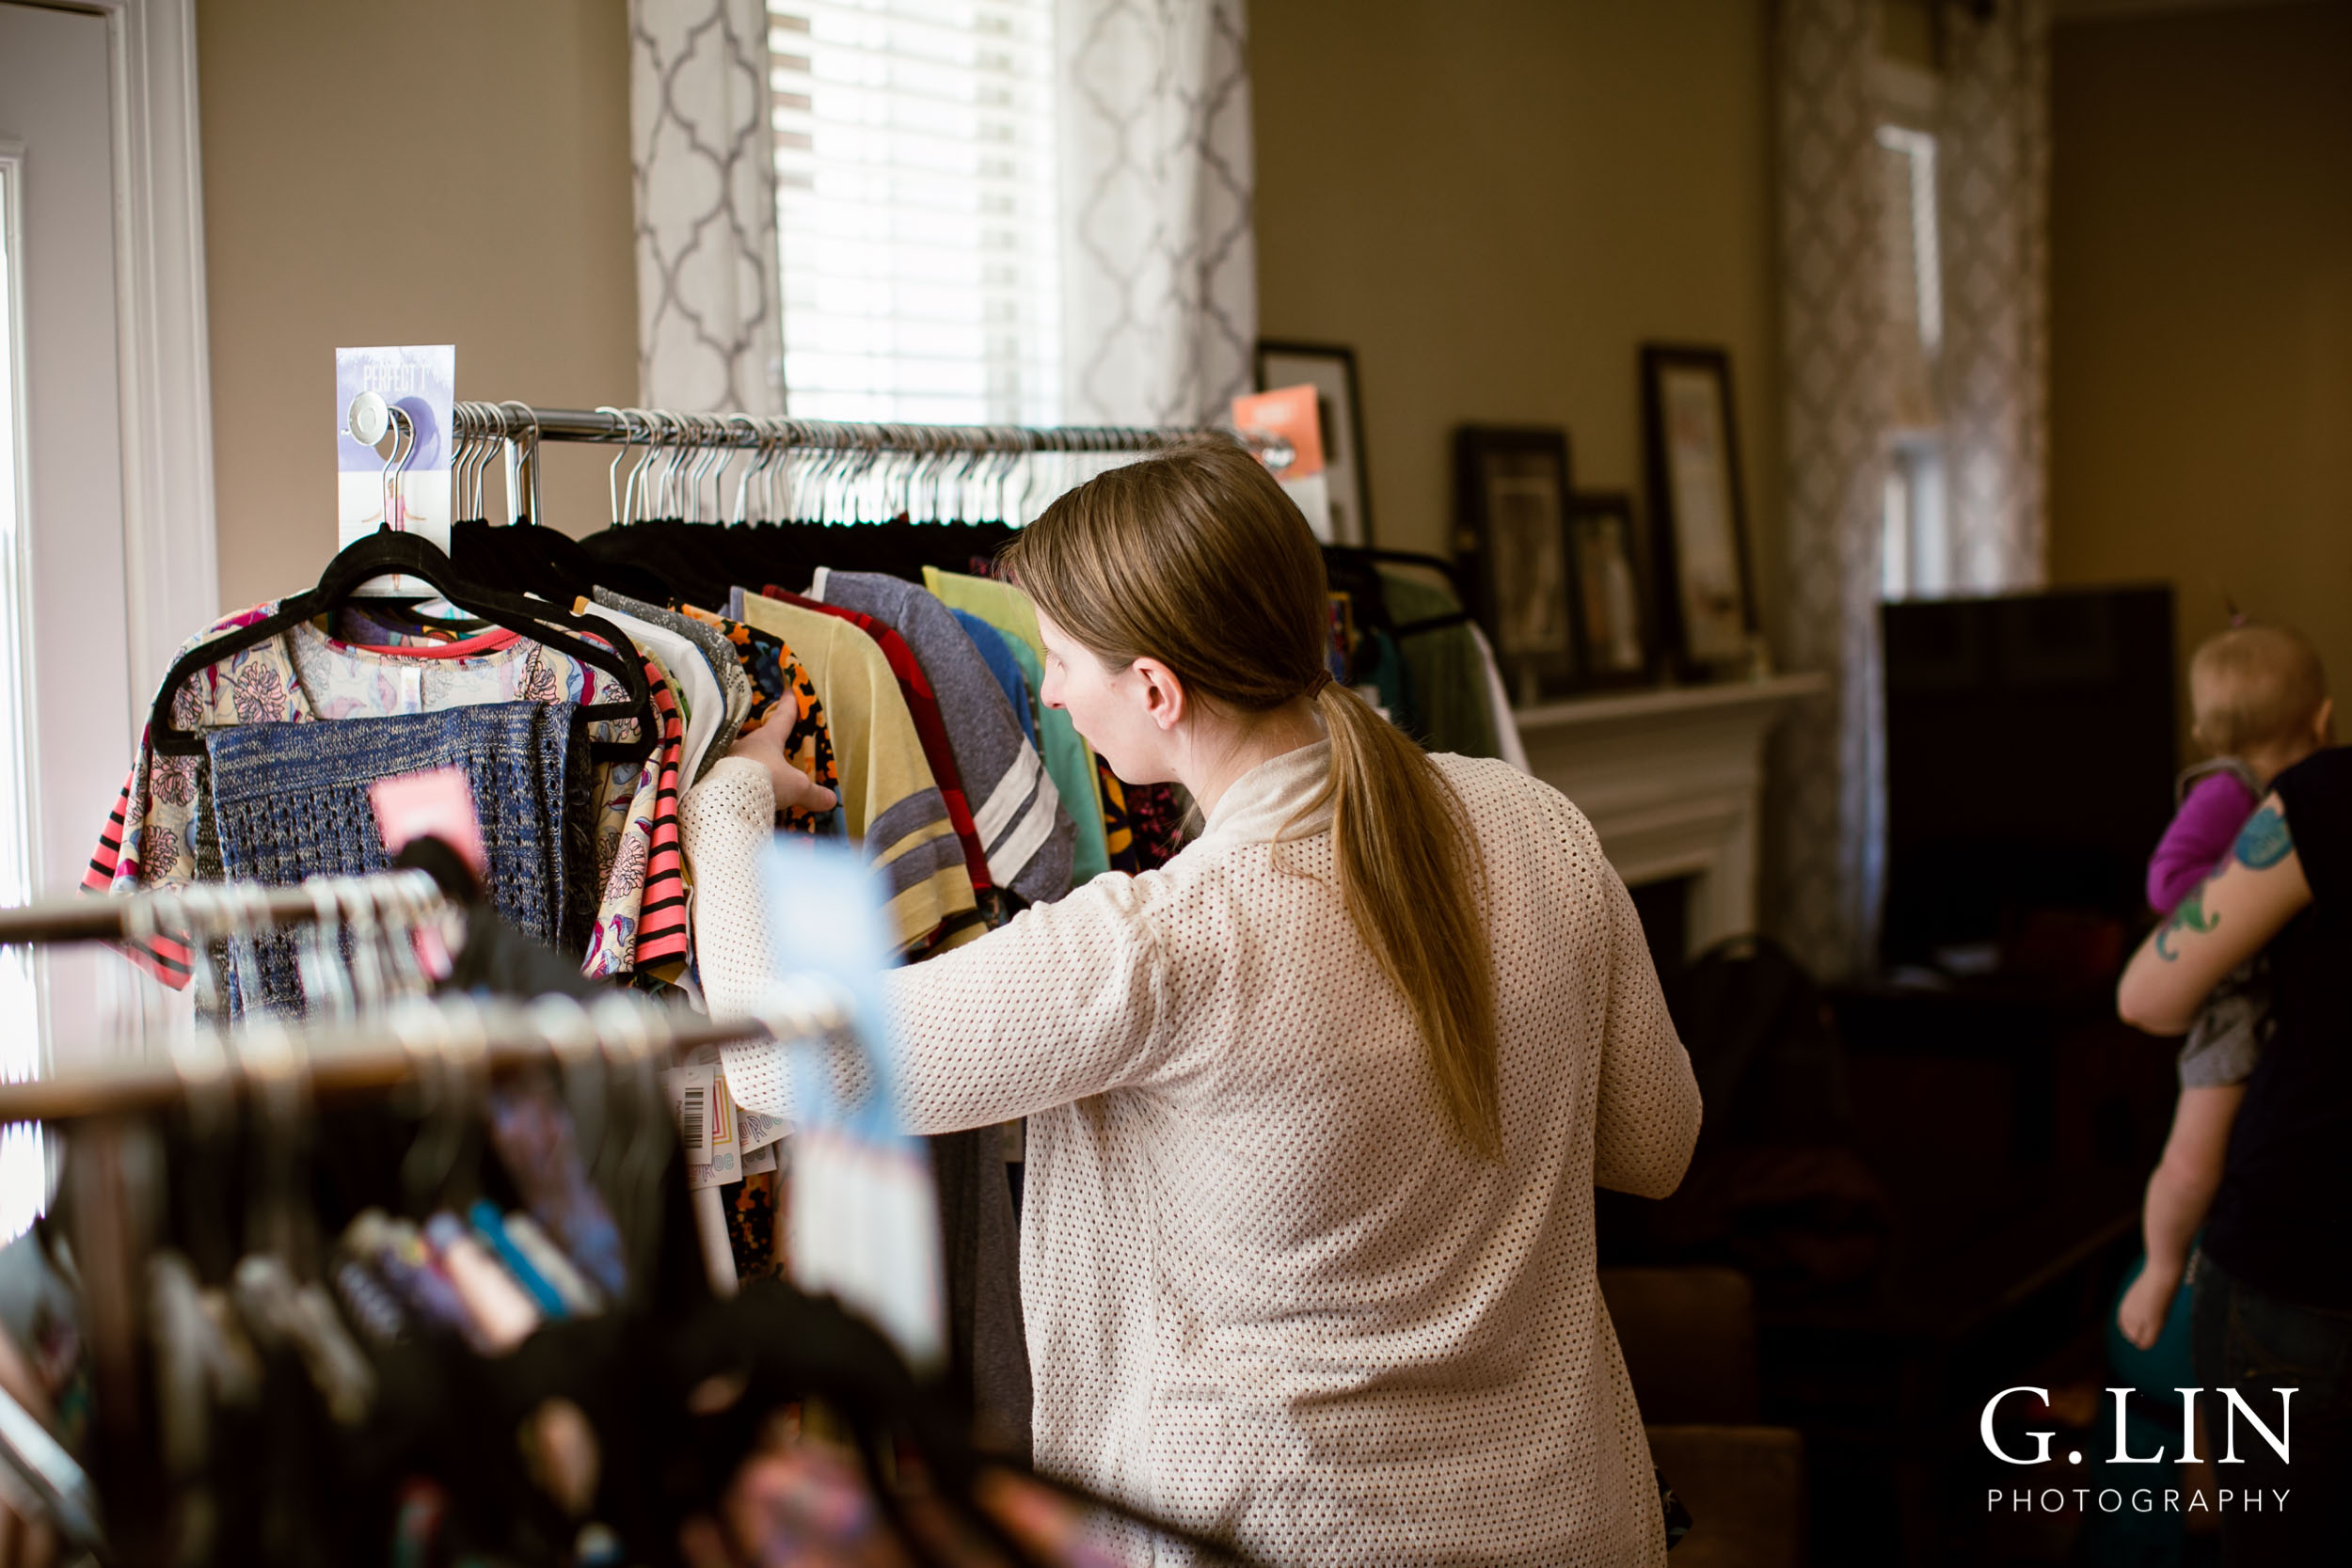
[
  {"x": 2224, "y": 923},
  {"x": 795, "y": 790}
]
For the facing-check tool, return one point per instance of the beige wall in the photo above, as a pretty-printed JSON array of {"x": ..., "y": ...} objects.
[
  {"x": 433, "y": 171},
  {"x": 1495, "y": 202},
  {"x": 2202, "y": 313}
]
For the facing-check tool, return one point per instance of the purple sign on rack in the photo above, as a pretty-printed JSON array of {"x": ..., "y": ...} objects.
[{"x": 419, "y": 384}]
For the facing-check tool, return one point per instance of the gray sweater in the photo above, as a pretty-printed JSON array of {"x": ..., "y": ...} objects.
[{"x": 1023, "y": 826}]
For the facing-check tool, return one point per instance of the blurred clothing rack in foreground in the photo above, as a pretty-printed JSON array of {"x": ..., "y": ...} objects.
[
  {"x": 620, "y": 1034},
  {"x": 375, "y": 1048}
]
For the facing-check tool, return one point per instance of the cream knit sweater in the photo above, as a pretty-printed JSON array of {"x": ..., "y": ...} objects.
[{"x": 1268, "y": 1296}]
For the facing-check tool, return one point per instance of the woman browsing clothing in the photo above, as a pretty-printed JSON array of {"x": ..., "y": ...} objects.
[
  {"x": 2273, "y": 1274},
  {"x": 1316, "y": 1110}
]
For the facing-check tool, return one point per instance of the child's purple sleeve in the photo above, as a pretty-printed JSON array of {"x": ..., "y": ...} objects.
[{"x": 2202, "y": 833}]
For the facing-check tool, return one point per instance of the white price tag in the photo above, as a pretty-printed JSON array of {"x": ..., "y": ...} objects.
[
  {"x": 755, "y": 1130},
  {"x": 691, "y": 1098}
]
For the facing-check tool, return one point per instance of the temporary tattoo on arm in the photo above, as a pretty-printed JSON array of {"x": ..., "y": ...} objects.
[
  {"x": 2264, "y": 841},
  {"x": 2190, "y": 916}
]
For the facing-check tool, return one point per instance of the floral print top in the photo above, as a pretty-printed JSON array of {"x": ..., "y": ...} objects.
[{"x": 302, "y": 673}]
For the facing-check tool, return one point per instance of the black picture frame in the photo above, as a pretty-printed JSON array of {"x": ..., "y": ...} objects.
[
  {"x": 1332, "y": 370},
  {"x": 1705, "y": 590},
  {"x": 1613, "y": 599},
  {"x": 1513, "y": 488}
]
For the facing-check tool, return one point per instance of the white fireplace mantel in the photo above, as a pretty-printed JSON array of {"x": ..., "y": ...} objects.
[{"x": 1673, "y": 782}]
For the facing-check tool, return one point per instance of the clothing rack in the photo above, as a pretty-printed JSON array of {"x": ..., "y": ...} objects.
[
  {"x": 224, "y": 907},
  {"x": 662, "y": 427},
  {"x": 482, "y": 429},
  {"x": 377, "y": 1051},
  {"x": 621, "y": 1032}
]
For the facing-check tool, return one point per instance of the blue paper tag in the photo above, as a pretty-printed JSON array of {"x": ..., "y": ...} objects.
[{"x": 864, "y": 1217}]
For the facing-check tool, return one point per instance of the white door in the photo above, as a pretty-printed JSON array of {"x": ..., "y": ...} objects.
[{"x": 64, "y": 687}]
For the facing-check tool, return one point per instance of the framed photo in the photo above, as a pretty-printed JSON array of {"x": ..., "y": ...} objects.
[
  {"x": 1699, "y": 538},
  {"x": 1331, "y": 371},
  {"x": 1512, "y": 494},
  {"x": 1616, "y": 631}
]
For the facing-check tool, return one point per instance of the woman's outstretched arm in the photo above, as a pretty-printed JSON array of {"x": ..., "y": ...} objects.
[{"x": 1067, "y": 1001}]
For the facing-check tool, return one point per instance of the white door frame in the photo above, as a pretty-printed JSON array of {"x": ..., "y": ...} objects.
[
  {"x": 172, "y": 587},
  {"x": 170, "y": 577}
]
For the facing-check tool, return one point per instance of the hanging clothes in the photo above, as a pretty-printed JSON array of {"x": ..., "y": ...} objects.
[
  {"x": 700, "y": 563},
  {"x": 781, "y": 692},
  {"x": 545, "y": 561},
  {"x": 1068, "y": 758},
  {"x": 890, "y": 802},
  {"x": 931, "y": 731},
  {"x": 1118, "y": 835},
  {"x": 303, "y": 675},
  {"x": 1016, "y": 810},
  {"x": 1004, "y": 667},
  {"x": 1378, "y": 672},
  {"x": 717, "y": 657},
  {"x": 647, "y": 875},
  {"x": 1449, "y": 675},
  {"x": 694, "y": 685},
  {"x": 1000, "y": 603},
  {"x": 1159, "y": 815},
  {"x": 630, "y": 825},
  {"x": 290, "y": 800}
]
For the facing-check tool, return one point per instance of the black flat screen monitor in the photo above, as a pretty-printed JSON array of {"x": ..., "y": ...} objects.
[{"x": 2030, "y": 755}]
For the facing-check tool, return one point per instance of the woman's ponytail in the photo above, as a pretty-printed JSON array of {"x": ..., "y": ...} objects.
[
  {"x": 1196, "y": 558},
  {"x": 1411, "y": 874}
]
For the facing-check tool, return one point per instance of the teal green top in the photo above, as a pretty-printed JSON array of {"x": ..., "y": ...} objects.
[
  {"x": 1071, "y": 766},
  {"x": 1451, "y": 707}
]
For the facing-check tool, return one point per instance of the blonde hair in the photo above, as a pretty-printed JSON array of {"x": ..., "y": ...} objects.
[
  {"x": 1196, "y": 558},
  {"x": 2254, "y": 685}
]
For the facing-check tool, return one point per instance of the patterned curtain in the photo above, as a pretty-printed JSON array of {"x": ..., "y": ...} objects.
[
  {"x": 1994, "y": 145},
  {"x": 1159, "y": 262},
  {"x": 1828, "y": 763},
  {"x": 1841, "y": 353},
  {"x": 709, "y": 319}
]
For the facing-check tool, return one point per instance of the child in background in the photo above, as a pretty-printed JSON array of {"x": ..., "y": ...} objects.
[{"x": 2261, "y": 707}]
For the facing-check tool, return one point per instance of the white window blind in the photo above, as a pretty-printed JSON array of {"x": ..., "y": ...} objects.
[
  {"x": 1913, "y": 246},
  {"x": 916, "y": 207},
  {"x": 1916, "y": 547}
]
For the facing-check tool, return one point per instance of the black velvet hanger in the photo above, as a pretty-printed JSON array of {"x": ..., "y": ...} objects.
[
  {"x": 384, "y": 554},
  {"x": 703, "y": 559},
  {"x": 546, "y": 561}
]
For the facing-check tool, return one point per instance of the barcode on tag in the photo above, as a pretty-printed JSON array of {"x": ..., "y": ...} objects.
[{"x": 691, "y": 1098}]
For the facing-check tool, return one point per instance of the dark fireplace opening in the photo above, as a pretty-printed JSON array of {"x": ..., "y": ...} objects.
[{"x": 1664, "y": 907}]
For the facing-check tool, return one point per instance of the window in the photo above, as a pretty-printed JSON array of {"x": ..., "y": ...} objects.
[
  {"x": 21, "y": 1176},
  {"x": 1915, "y": 557},
  {"x": 915, "y": 209}
]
